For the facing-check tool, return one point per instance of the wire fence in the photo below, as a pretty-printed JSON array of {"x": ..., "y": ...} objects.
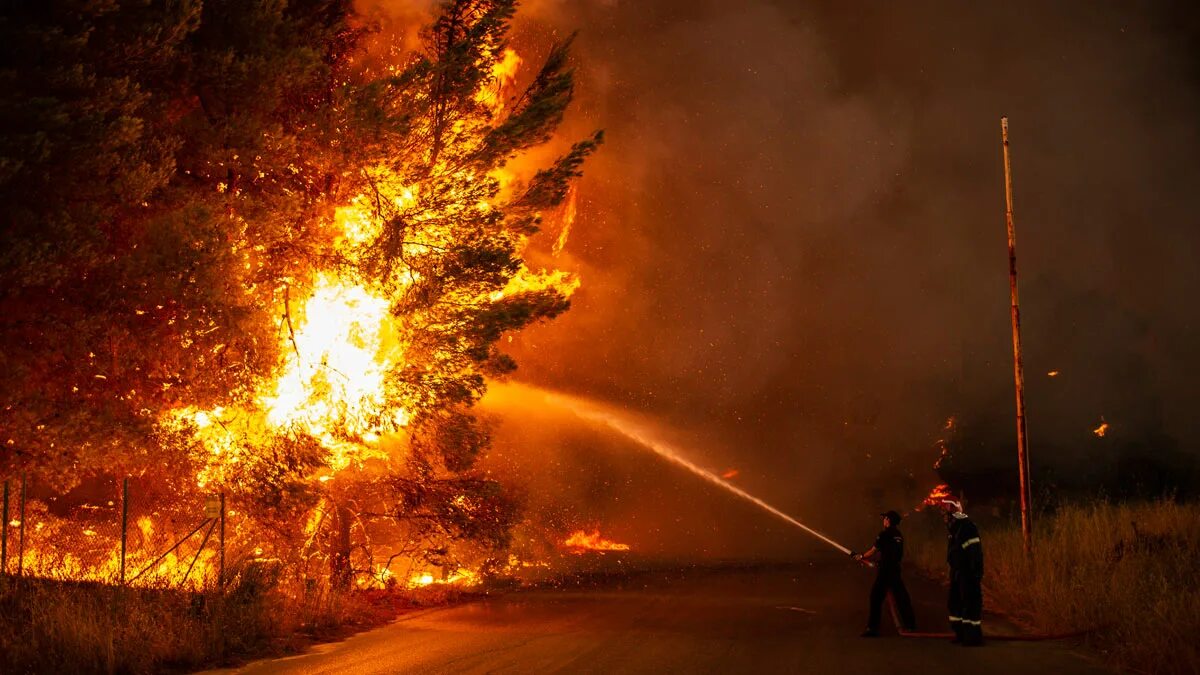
[
  {"x": 113, "y": 532},
  {"x": 147, "y": 533}
]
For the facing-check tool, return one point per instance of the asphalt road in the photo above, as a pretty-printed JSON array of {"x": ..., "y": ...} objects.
[{"x": 794, "y": 619}]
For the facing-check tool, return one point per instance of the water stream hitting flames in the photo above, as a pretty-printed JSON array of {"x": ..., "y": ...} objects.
[{"x": 646, "y": 438}]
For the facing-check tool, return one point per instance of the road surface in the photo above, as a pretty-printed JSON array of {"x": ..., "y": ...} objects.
[{"x": 795, "y": 619}]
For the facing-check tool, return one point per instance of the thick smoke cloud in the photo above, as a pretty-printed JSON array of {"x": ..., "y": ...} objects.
[
  {"x": 793, "y": 250},
  {"x": 794, "y": 240}
]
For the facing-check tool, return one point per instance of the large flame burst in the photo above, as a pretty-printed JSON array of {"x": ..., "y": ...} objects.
[{"x": 372, "y": 338}]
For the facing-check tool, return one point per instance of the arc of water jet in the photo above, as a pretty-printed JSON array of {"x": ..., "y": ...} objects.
[{"x": 590, "y": 412}]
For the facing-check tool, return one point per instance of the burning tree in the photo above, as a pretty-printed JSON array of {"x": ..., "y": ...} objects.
[{"x": 286, "y": 265}]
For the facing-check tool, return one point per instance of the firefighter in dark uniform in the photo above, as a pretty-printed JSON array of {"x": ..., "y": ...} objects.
[
  {"x": 888, "y": 551},
  {"x": 964, "y": 553}
]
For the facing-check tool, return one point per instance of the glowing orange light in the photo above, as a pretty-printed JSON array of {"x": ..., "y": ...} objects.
[
  {"x": 936, "y": 495},
  {"x": 568, "y": 219},
  {"x": 582, "y": 541}
]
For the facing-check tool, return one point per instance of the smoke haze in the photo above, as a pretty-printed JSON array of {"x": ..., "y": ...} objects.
[{"x": 792, "y": 244}]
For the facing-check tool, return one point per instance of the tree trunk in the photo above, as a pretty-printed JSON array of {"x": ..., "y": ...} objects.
[{"x": 339, "y": 562}]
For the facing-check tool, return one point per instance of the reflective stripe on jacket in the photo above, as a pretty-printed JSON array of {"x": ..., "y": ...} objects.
[{"x": 964, "y": 550}]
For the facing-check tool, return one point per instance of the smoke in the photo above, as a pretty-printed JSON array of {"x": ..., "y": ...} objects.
[
  {"x": 792, "y": 243},
  {"x": 580, "y": 464}
]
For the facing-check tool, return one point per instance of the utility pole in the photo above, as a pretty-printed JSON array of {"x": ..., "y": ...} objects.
[
  {"x": 221, "y": 565},
  {"x": 4, "y": 534},
  {"x": 21, "y": 532},
  {"x": 124, "y": 523},
  {"x": 1018, "y": 367}
]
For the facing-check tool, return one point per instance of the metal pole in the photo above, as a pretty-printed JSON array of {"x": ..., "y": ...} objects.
[
  {"x": 21, "y": 533},
  {"x": 199, "y": 550},
  {"x": 4, "y": 534},
  {"x": 221, "y": 566},
  {"x": 124, "y": 523},
  {"x": 1018, "y": 367},
  {"x": 206, "y": 521}
]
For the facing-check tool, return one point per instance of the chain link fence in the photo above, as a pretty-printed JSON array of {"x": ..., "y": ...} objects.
[{"x": 112, "y": 532}]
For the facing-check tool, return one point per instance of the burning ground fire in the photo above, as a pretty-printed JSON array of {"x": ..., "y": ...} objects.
[
  {"x": 581, "y": 541},
  {"x": 461, "y": 577}
]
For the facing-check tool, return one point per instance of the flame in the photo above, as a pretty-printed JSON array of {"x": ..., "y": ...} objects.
[
  {"x": 460, "y": 577},
  {"x": 526, "y": 280},
  {"x": 936, "y": 495},
  {"x": 1101, "y": 430},
  {"x": 568, "y": 219},
  {"x": 334, "y": 374},
  {"x": 730, "y": 473},
  {"x": 1052, "y": 373},
  {"x": 581, "y": 541},
  {"x": 504, "y": 75},
  {"x": 338, "y": 340}
]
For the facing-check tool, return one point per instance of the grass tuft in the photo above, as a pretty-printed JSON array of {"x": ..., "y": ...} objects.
[{"x": 54, "y": 626}]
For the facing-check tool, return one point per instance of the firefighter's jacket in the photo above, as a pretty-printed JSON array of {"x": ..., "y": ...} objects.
[
  {"x": 890, "y": 545},
  {"x": 964, "y": 551}
]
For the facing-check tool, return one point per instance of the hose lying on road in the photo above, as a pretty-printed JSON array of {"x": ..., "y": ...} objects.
[{"x": 1002, "y": 638}]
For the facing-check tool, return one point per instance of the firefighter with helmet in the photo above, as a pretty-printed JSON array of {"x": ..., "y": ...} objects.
[{"x": 964, "y": 553}]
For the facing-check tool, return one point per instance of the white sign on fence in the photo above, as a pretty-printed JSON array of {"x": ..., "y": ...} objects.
[{"x": 212, "y": 507}]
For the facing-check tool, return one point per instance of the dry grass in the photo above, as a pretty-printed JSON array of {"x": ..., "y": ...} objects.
[
  {"x": 1127, "y": 573},
  {"x": 53, "y": 627}
]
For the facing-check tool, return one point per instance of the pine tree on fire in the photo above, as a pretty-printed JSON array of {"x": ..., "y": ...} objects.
[
  {"x": 448, "y": 245},
  {"x": 179, "y": 178}
]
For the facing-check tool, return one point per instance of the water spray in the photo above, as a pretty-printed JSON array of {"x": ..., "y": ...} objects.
[
  {"x": 632, "y": 430},
  {"x": 635, "y": 432}
]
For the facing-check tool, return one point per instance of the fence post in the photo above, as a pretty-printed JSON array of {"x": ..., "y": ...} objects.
[
  {"x": 4, "y": 534},
  {"x": 21, "y": 533},
  {"x": 124, "y": 522},
  {"x": 221, "y": 566}
]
